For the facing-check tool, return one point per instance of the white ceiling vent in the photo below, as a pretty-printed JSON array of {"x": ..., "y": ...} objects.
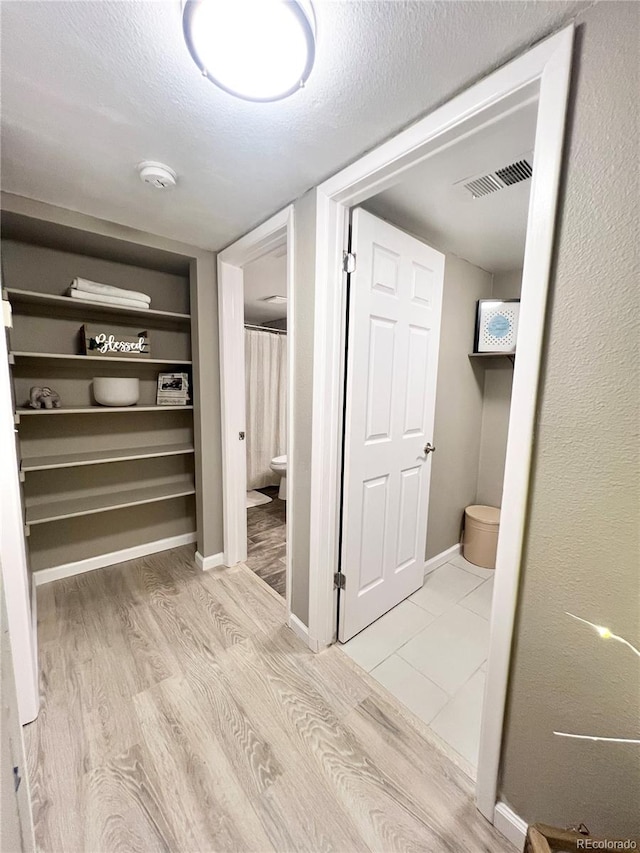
[{"x": 499, "y": 179}]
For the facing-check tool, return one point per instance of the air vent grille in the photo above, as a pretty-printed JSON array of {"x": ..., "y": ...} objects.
[
  {"x": 515, "y": 173},
  {"x": 483, "y": 186},
  {"x": 507, "y": 176}
]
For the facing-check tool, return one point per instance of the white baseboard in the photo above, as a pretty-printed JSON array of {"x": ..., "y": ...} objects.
[
  {"x": 440, "y": 559},
  {"x": 67, "y": 570},
  {"x": 299, "y": 628},
  {"x": 511, "y": 825},
  {"x": 301, "y": 631},
  {"x": 210, "y": 562}
]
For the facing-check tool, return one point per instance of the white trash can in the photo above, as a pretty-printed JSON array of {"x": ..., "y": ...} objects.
[{"x": 480, "y": 539}]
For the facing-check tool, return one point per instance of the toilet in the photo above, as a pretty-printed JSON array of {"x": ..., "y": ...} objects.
[{"x": 279, "y": 466}]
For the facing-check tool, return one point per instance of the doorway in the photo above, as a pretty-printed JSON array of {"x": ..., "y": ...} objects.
[
  {"x": 252, "y": 270},
  {"x": 540, "y": 76},
  {"x": 265, "y": 350},
  {"x": 431, "y": 650}
]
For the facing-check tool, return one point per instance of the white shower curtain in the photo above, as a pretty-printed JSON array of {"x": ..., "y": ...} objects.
[{"x": 266, "y": 401}]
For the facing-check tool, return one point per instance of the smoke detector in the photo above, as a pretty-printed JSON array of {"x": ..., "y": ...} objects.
[{"x": 157, "y": 175}]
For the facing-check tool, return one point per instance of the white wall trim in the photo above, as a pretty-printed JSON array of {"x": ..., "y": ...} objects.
[
  {"x": 543, "y": 71},
  {"x": 299, "y": 628},
  {"x": 511, "y": 825},
  {"x": 210, "y": 562},
  {"x": 275, "y": 232},
  {"x": 13, "y": 559},
  {"x": 440, "y": 559},
  {"x": 67, "y": 570}
]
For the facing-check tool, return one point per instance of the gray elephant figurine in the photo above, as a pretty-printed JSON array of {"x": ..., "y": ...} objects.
[{"x": 45, "y": 398}]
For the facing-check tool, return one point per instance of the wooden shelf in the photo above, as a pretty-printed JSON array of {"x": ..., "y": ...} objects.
[
  {"x": 82, "y": 307},
  {"x": 102, "y": 359},
  {"x": 500, "y": 355},
  {"x": 94, "y": 410},
  {"x": 100, "y": 457},
  {"x": 75, "y": 507}
]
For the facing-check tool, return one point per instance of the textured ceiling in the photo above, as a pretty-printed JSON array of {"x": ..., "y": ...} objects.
[
  {"x": 89, "y": 89},
  {"x": 490, "y": 231}
]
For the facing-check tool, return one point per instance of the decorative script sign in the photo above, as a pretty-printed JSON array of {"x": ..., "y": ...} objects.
[{"x": 102, "y": 341}]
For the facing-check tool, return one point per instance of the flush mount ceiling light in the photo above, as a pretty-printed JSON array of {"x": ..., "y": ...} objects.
[{"x": 259, "y": 50}]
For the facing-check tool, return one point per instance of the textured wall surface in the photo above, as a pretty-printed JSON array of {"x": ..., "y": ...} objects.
[
  {"x": 581, "y": 547},
  {"x": 454, "y": 474},
  {"x": 496, "y": 406},
  {"x": 91, "y": 89}
]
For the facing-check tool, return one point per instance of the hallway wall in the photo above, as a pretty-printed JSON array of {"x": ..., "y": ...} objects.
[{"x": 581, "y": 543}]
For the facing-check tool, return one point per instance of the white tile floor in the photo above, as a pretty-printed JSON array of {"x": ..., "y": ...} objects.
[{"x": 431, "y": 651}]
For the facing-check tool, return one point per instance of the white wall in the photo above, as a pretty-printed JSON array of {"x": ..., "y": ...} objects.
[
  {"x": 299, "y": 478},
  {"x": 496, "y": 405}
]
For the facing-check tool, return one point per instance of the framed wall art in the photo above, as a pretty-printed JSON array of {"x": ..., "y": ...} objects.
[{"x": 496, "y": 325}]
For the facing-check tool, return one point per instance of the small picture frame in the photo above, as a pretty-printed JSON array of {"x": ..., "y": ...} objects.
[
  {"x": 496, "y": 325},
  {"x": 173, "y": 389}
]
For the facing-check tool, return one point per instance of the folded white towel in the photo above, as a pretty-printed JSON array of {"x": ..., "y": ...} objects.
[
  {"x": 104, "y": 299},
  {"x": 88, "y": 286}
]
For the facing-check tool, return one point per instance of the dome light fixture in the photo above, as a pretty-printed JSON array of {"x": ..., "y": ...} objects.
[{"x": 258, "y": 50}]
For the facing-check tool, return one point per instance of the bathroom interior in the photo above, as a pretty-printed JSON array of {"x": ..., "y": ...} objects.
[
  {"x": 265, "y": 337},
  {"x": 431, "y": 650}
]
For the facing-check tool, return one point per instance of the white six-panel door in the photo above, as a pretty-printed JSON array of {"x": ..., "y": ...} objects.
[{"x": 395, "y": 306}]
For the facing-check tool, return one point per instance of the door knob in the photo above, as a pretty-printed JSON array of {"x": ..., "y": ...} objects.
[{"x": 429, "y": 448}]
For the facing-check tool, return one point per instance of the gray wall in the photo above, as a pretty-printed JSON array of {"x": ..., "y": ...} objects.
[
  {"x": 300, "y": 482},
  {"x": 454, "y": 475},
  {"x": 581, "y": 545},
  {"x": 496, "y": 405}
]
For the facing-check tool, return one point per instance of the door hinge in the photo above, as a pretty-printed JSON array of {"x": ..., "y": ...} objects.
[
  {"x": 339, "y": 581},
  {"x": 348, "y": 262}
]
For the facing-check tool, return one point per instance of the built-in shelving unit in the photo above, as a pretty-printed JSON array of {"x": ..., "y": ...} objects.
[{"x": 93, "y": 486}]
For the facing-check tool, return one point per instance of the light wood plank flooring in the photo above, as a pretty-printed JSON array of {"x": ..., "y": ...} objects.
[
  {"x": 267, "y": 540},
  {"x": 180, "y": 714}
]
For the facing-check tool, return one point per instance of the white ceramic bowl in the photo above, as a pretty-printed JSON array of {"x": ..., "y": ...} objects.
[{"x": 116, "y": 390}]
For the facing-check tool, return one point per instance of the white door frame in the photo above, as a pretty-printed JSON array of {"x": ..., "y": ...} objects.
[
  {"x": 543, "y": 73},
  {"x": 261, "y": 241},
  {"x": 20, "y": 594}
]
